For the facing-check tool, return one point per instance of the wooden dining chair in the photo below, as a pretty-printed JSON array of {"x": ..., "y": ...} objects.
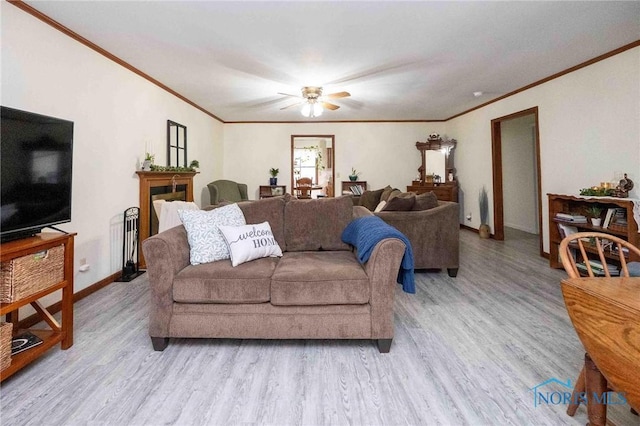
[
  {"x": 303, "y": 188},
  {"x": 574, "y": 251}
]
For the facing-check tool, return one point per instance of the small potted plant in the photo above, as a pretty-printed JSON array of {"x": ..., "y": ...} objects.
[
  {"x": 148, "y": 161},
  {"x": 595, "y": 212},
  {"x": 354, "y": 175},
  {"x": 194, "y": 164},
  {"x": 483, "y": 200},
  {"x": 273, "y": 180}
]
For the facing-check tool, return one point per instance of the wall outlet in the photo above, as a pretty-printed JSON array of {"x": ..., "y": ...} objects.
[
  {"x": 469, "y": 216},
  {"x": 83, "y": 261}
]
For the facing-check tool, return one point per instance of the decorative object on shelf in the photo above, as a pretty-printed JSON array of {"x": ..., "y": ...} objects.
[
  {"x": 130, "y": 245},
  {"x": 192, "y": 167},
  {"x": 483, "y": 200},
  {"x": 624, "y": 186},
  {"x": 354, "y": 174},
  {"x": 273, "y": 180},
  {"x": 434, "y": 137},
  {"x": 597, "y": 191},
  {"x": 595, "y": 212},
  {"x": 148, "y": 161}
]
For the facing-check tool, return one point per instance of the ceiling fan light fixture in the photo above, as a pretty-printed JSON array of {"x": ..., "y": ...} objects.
[
  {"x": 306, "y": 110},
  {"x": 317, "y": 110}
]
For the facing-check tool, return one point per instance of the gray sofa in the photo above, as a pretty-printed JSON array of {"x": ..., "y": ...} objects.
[
  {"x": 434, "y": 235},
  {"x": 431, "y": 225},
  {"x": 317, "y": 290}
]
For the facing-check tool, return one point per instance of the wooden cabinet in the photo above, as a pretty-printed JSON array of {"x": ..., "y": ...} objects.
[
  {"x": 60, "y": 332},
  {"x": 447, "y": 191},
  {"x": 575, "y": 204},
  {"x": 267, "y": 191},
  {"x": 347, "y": 184}
]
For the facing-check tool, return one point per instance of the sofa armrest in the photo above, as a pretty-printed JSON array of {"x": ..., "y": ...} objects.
[
  {"x": 360, "y": 211},
  {"x": 382, "y": 270},
  {"x": 166, "y": 254},
  {"x": 434, "y": 234}
]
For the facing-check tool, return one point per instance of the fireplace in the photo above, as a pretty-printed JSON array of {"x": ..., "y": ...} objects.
[{"x": 160, "y": 185}]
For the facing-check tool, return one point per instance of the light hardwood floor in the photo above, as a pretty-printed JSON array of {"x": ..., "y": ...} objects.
[{"x": 467, "y": 351}]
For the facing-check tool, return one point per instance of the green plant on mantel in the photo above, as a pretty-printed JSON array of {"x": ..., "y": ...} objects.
[
  {"x": 274, "y": 172},
  {"x": 192, "y": 167}
]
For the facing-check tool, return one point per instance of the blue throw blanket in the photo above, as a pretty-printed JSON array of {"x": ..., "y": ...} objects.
[{"x": 365, "y": 232}]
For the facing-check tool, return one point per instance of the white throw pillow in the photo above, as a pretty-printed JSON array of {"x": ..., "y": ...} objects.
[
  {"x": 250, "y": 242},
  {"x": 205, "y": 239},
  {"x": 380, "y": 206}
]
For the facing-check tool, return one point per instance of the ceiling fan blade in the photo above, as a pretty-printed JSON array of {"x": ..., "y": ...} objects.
[
  {"x": 338, "y": 95},
  {"x": 332, "y": 107},
  {"x": 287, "y": 94},
  {"x": 292, "y": 105}
]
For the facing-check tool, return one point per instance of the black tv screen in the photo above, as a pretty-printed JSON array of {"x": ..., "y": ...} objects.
[{"x": 35, "y": 172}]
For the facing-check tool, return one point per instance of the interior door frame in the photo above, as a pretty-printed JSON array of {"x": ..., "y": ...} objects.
[
  {"x": 333, "y": 157},
  {"x": 496, "y": 156}
]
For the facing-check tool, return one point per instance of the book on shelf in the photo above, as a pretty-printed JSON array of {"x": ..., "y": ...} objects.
[
  {"x": 620, "y": 217},
  {"x": 566, "y": 230},
  {"x": 23, "y": 342},
  {"x": 571, "y": 217},
  {"x": 608, "y": 217},
  {"x": 597, "y": 268},
  {"x": 357, "y": 189}
]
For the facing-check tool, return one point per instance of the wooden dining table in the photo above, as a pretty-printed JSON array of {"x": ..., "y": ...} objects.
[{"x": 606, "y": 315}]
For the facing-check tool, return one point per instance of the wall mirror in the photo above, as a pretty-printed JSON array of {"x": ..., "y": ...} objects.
[
  {"x": 437, "y": 160},
  {"x": 176, "y": 144},
  {"x": 313, "y": 156}
]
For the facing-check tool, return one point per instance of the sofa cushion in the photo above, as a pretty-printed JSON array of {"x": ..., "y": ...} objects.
[
  {"x": 386, "y": 191},
  {"x": 317, "y": 224},
  {"x": 270, "y": 210},
  {"x": 401, "y": 202},
  {"x": 425, "y": 201},
  {"x": 206, "y": 243},
  {"x": 319, "y": 278},
  {"x": 219, "y": 282},
  {"x": 250, "y": 242},
  {"x": 370, "y": 199}
]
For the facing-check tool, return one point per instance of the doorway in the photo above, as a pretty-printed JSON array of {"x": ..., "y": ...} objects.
[
  {"x": 313, "y": 157},
  {"x": 517, "y": 202}
]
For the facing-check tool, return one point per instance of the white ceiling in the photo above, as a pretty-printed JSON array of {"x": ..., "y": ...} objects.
[{"x": 399, "y": 60}]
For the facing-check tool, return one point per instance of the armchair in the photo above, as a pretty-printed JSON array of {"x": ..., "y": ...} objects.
[{"x": 227, "y": 190}]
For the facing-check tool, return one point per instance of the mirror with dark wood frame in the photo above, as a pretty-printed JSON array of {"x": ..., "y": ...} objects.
[
  {"x": 176, "y": 144},
  {"x": 313, "y": 156}
]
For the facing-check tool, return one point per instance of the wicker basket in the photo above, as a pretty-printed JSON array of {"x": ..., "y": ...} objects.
[
  {"x": 27, "y": 275},
  {"x": 5, "y": 345}
]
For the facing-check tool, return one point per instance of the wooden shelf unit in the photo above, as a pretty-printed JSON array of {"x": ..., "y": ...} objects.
[
  {"x": 60, "y": 333},
  {"x": 559, "y": 203},
  {"x": 347, "y": 184},
  {"x": 266, "y": 191}
]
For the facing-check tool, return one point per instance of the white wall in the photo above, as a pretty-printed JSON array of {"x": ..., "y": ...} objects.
[
  {"x": 116, "y": 114},
  {"x": 384, "y": 153},
  {"x": 519, "y": 174},
  {"x": 589, "y": 128}
]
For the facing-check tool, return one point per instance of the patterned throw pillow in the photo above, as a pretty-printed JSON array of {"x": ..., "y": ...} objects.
[
  {"x": 206, "y": 242},
  {"x": 250, "y": 242}
]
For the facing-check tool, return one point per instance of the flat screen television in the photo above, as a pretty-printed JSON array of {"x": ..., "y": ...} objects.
[{"x": 35, "y": 172}]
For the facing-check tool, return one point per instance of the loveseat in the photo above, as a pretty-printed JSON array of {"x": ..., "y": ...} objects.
[
  {"x": 316, "y": 290},
  {"x": 432, "y": 226}
]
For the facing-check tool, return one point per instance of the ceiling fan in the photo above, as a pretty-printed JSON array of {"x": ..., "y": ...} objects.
[{"x": 313, "y": 103}]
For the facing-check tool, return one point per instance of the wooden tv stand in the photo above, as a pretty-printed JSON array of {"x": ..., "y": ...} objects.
[{"x": 60, "y": 332}]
